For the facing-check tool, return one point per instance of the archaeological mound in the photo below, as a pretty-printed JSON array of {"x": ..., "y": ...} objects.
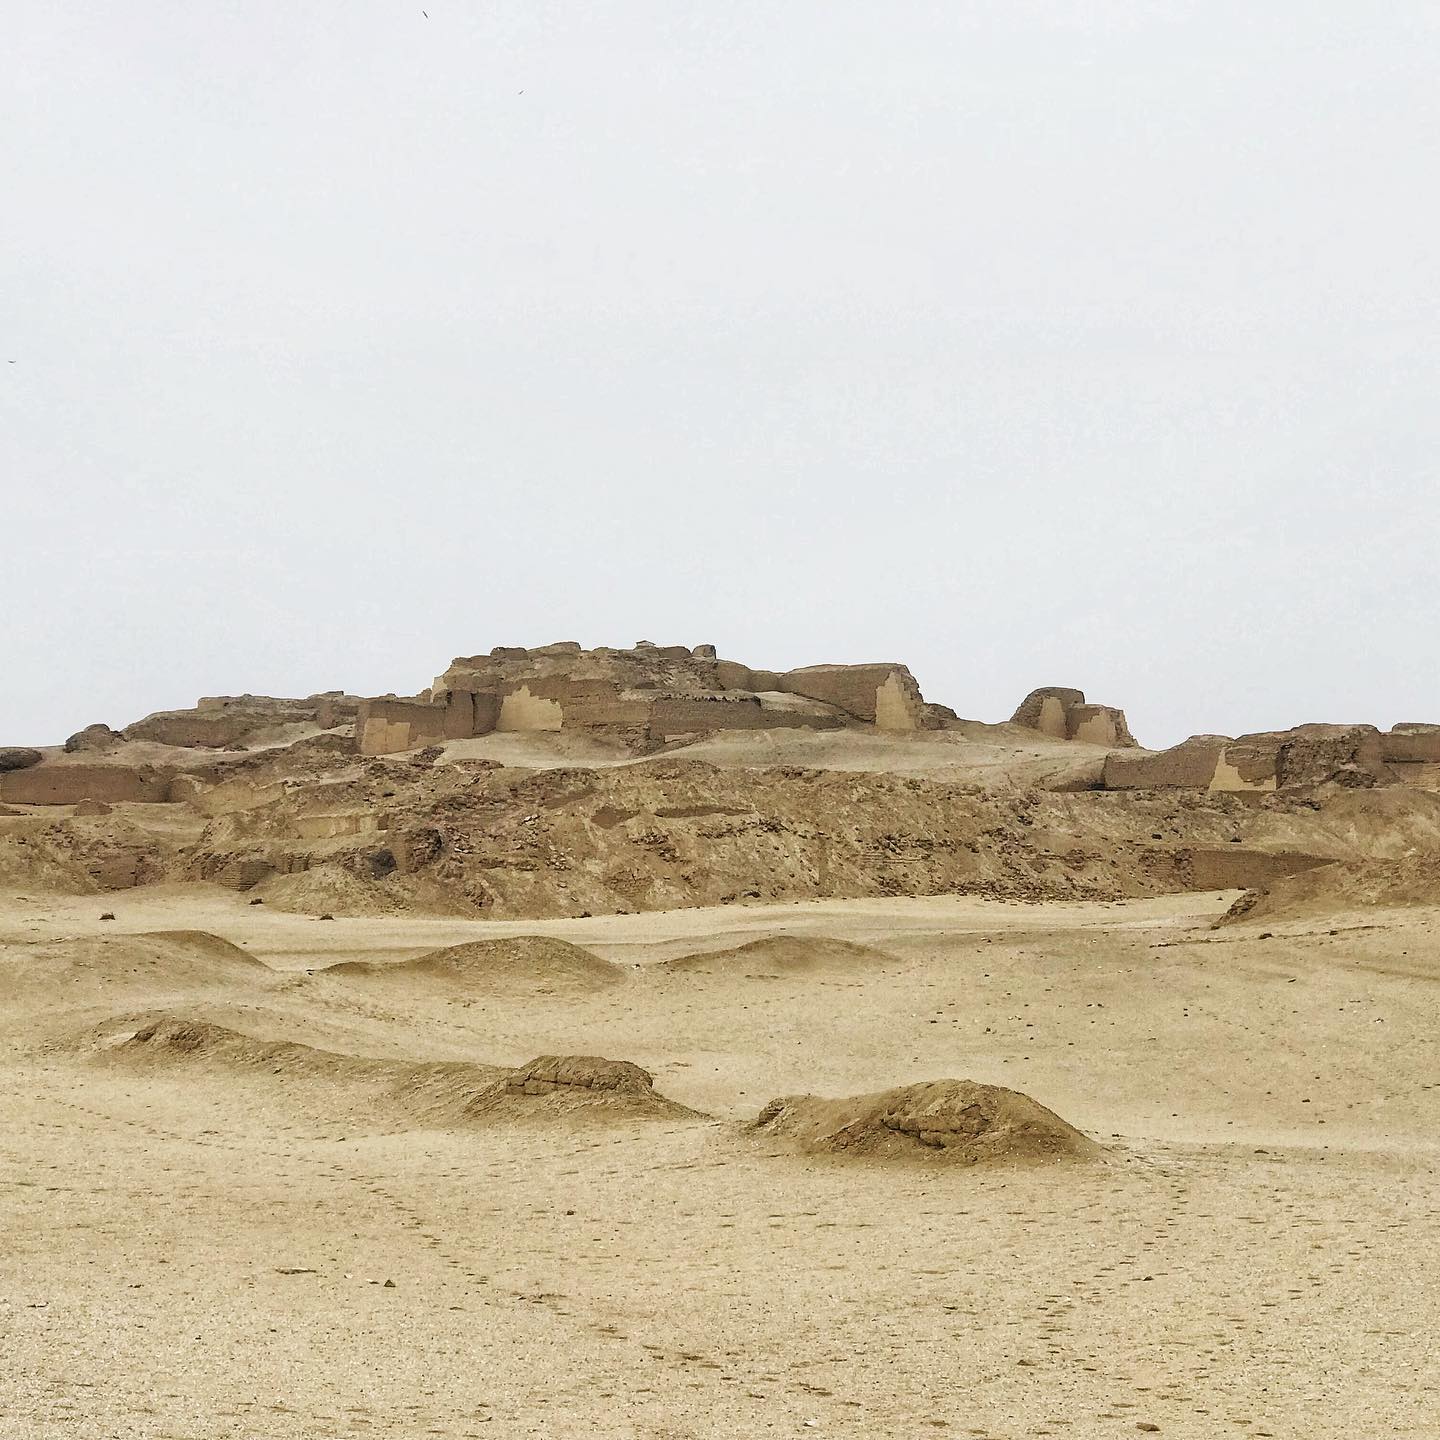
[
  {"x": 580, "y": 1087},
  {"x": 961, "y": 1121}
]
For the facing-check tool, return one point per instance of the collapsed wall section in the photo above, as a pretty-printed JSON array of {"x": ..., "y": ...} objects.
[
  {"x": 1046, "y": 708},
  {"x": 218, "y": 721}
]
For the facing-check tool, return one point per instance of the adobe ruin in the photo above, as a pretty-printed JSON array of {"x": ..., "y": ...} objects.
[
  {"x": 221, "y": 721},
  {"x": 1063, "y": 714},
  {"x": 1356, "y": 756},
  {"x": 647, "y": 693},
  {"x": 647, "y": 697}
]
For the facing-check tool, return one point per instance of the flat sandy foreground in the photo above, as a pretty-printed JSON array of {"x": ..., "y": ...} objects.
[{"x": 247, "y": 1243}]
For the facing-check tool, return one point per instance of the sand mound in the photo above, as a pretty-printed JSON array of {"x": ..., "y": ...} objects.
[
  {"x": 957, "y": 1120},
  {"x": 396, "y": 1091},
  {"x": 518, "y": 964},
  {"x": 86, "y": 968},
  {"x": 778, "y": 955},
  {"x": 214, "y": 952},
  {"x": 436, "y": 1093},
  {"x": 332, "y": 890},
  {"x": 1344, "y": 885},
  {"x": 167, "y": 1040},
  {"x": 586, "y": 1086}
]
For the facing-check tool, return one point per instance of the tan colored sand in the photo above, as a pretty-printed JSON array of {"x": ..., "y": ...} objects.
[{"x": 198, "y": 1248}]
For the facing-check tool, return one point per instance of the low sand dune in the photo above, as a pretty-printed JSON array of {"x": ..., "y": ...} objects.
[
  {"x": 780, "y": 955},
  {"x": 59, "y": 974},
  {"x": 517, "y": 964}
]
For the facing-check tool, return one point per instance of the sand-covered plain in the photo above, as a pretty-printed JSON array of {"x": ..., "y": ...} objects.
[{"x": 214, "y": 1155}]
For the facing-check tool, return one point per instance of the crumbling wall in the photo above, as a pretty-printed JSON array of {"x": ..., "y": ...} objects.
[
  {"x": 209, "y": 729},
  {"x": 1098, "y": 725},
  {"x": 93, "y": 737},
  {"x": 469, "y": 712},
  {"x": 874, "y": 693},
  {"x": 221, "y": 720},
  {"x": 388, "y": 726},
  {"x": 1063, "y": 714},
  {"x": 694, "y": 714},
  {"x": 654, "y": 690},
  {"x": 899, "y": 704},
  {"x": 1245, "y": 765},
  {"x": 1276, "y": 760},
  {"x": 1243, "y": 867},
  {"x": 1045, "y": 709},
  {"x": 1203, "y": 762},
  {"x": 642, "y": 666},
  {"x": 599, "y": 704},
  {"x": 1187, "y": 766},
  {"x": 62, "y": 784},
  {"x": 1411, "y": 744},
  {"x": 558, "y": 702},
  {"x": 332, "y": 711},
  {"x": 1339, "y": 754},
  {"x": 731, "y": 675}
]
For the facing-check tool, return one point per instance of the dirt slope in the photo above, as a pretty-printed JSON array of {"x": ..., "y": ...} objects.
[
  {"x": 314, "y": 828},
  {"x": 1344, "y": 886}
]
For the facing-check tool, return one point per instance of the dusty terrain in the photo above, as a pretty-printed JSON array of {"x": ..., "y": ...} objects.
[
  {"x": 776, "y": 1083},
  {"x": 201, "y": 1222}
]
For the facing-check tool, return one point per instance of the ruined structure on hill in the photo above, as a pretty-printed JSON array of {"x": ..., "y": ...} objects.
[
  {"x": 1062, "y": 714},
  {"x": 648, "y": 692},
  {"x": 649, "y": 697},
  {"x": 218, "y": 721},
  {"x": 1358, "y": 756}
]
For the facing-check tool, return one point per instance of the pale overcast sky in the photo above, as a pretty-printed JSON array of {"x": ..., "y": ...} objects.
[{"x": 1028, "y": 342}]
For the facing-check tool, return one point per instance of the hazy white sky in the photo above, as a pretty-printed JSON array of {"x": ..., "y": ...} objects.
[{"x": 1029, "y": 342}]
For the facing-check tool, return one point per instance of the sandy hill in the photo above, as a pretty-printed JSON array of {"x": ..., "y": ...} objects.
[
  {"x": 334, "y": 833},
  {"x": 558, "y": 781}
]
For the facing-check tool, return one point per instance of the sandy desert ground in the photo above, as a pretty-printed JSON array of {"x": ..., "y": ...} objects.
[{"x": 245, "y": 1197}]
